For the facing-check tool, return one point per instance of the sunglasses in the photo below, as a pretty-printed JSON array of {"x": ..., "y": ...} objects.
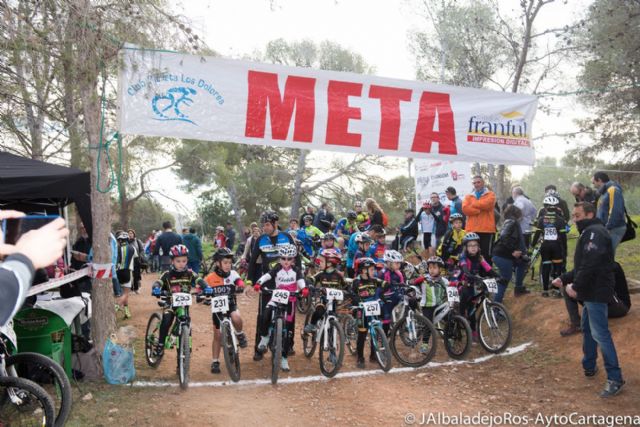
[{"x": 286, "y": 258}]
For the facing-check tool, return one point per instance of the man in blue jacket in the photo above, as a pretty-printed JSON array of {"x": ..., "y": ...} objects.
[
  {"x": 610, "y": 207},
  {"x": 194, "y": 245}
]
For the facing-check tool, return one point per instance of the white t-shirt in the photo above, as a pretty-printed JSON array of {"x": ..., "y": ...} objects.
[{"x": 427, "y": 222}]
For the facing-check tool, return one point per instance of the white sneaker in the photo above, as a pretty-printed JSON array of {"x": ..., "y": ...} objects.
[
  {"x": 284, "y": 364},
  {"x": 264, "y": 342}
]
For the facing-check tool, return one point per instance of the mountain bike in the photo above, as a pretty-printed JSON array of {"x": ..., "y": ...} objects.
[
  {"x": 24, "y": 403},
  {"x": 37, "y": 368},
  {"x": 492, "y": 318},
  {"x": 453, "y": 328},
  {"x": 229, "y": 343},
  {"x": 329, "y": 334},
  {"x": 371, "y": 310},
  {"x": 277, "y": 328},
  {"x": 179, "y": 335},
  {"x": 412, "y": 336},
  {"x": 531, "y": 265}
]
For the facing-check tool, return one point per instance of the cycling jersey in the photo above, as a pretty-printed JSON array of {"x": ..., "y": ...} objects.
[
  {"x": 393, "y": 278},
  {"x": 474, "y": 265},
  {"x": 173, "y": 281},
  {"x": 434, "y": 291},
  {"x": 345, "y": 228},
  {"x": 225, "y": 284},
  {"x": 551, "y": 226},
  {"x": 361, "y": 219},
  {"x": 366, "y": 289},
  {"x": 451, "y": 246},
  {"x": 266, "y": 248},
  {"x": 290, "y": 279},
  {"x": 377, "y": 251},
  {"x": 352, "y": 249},
  {"x": 307, "y": 236},
  {"x": 329, "y": 279}
]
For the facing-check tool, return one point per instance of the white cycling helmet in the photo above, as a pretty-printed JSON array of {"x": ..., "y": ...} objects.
[
  {"x": 392, "y": 256},
  {"x": 551, "y": 201},
  {"x": 287, "y": 251}
]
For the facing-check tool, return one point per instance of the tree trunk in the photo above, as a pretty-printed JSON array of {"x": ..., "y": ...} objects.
[
  {"x": 297, "y": 187},
  {"x": 103, "y": 321},
  {"x": 235, "y": 204},
  {"x": 500, "y": 185},
  {"x": 126, "y": 205}
]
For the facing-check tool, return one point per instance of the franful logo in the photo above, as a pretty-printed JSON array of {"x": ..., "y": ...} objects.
[
  {"x": 508, "y": 128},
  {"x": 168, "y": 106}
]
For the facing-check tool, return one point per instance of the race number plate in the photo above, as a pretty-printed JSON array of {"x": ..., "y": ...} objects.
[
  {"x": 550, "y": 234},
  {"x": 335, "y": 295},
  {"x": 452, "y": 294},
  {"x": 280, "y": 296},
  {"x": 492, "y": 285},
  {"x": 220, "y": 304},
  {"x": 371, "y": 308},
  {"x": 181, "y": 299}
]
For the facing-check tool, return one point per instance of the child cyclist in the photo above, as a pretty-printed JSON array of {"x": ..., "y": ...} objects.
[
  {"x": 359, "y": 247},
  {"x": 434, "y": 292},
  {"x": 329, "y": 277},
  {"x": 552, "y": 227},
  {"x": 285, "y": 276},
  {"x": 394, "y": 280},
  {"x": 451, "y": 246},
  {"x": 365, "y": 287},
  {"x": 179, "y": 278},
  {"x": 472, "y": 263},
  {"x": 224, "y": 281}
]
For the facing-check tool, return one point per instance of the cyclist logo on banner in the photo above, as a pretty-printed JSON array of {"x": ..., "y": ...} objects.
[{"x": 168, "y": 106}]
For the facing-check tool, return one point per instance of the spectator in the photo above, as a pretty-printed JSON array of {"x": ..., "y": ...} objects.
[
  {"x": 456, "y": 203},
  {"x": 508, "y": 252},
  {"x": 185, "y": 231},
  {"x": 362, "y": 217},
  {"x": 611, "y": 210},
  {"x": 427, "y": 225},
  {"x": 79, "y": 259},
  {"x": 293, "y": 225},
  {"x": 149, "y": 248},
  {"x": 194, "y": 246},
  {"x": 440, "y": 213},
  {"x": 375, "y": 213},
  {"x": 33, "y": 250},
  {"x": 230, "y": 236},
  {"x": 583, "y": 193},
  {"x": 551, "y": 190},
  {"x": 248, "y": 248},
  {"x": 220, "y": 240},
  {"x": 138, "y": 261},
  {"x": 529, "y": 213},
  {"x": 309, "y": 211},
  {"x": 619, "y": 307},
  {"x": 164, "y": 242},
  {"x": 408, "y": 231},
  {"x": 479, "y": 206},
  {"x": 324, "y": 220},
  {"x": 592, "y": 282}
]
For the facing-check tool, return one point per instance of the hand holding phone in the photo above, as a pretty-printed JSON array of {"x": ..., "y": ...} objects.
[{"x": 43, "y": 246}]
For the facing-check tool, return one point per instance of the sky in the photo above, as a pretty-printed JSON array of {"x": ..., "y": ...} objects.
[{"x": 378, "y": 30}]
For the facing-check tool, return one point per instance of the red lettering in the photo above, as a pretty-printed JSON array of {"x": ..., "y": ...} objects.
[
  {"x": 298, "y": 93},
  {"x": 390, "y": 98},
  {"x": 430, "y": 104},
  {"x": 339, "y": 113}
]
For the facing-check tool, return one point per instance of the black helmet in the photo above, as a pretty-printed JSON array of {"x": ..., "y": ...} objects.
[
  {"x": 352, "y": 215},
  {"x": 365, "y": 263},
  {"x": 329, "y": 236},
  {"x": 268, "y": 216},
  {"x": 223, "y": 253},
  {"x": 307, "y": 217}
]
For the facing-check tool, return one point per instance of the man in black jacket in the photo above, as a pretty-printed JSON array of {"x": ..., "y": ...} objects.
[
  {"x": 592, "y": 281},
  {"x": 324, "y": 219},
  {"x": 164, "y": 242},
  {"x": 408, "y": 230}
]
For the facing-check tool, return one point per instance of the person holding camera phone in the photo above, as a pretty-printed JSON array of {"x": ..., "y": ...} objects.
[{"x": 34, "y": 249}]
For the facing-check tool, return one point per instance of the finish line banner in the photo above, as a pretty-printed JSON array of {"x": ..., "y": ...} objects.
[{"x": 214, "y": 99}]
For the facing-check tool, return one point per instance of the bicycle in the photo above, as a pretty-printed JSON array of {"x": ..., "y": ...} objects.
[
  {"x": 411, "y": 332},
  {"x": 493, "y": 320},
  {"x": 277, "y": 328},
  {"x": 25, "y": 403},
  {"x": 329, "y": 334},
  {"x": 371, "y": 310},
  {"x": 453, "y": 328},
  {"x": 43, "y": 371},
  {"x": 229, "y": 343},
  {"x": 179, "y": 335}
]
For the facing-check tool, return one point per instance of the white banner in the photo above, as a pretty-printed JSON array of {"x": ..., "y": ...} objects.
[
  {"x": 215, "y": 99},
  {"x": 435, "y": 176}
]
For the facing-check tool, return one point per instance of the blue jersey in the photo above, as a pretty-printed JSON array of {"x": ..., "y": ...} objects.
[
  {"x": 352, "y": 248},
  {"x": 266, "y": 247}
]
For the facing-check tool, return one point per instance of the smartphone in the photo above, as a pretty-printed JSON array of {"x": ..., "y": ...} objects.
[{"x": 14, "y": 228}]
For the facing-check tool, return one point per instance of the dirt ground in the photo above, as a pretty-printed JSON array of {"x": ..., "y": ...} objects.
[{"x": 545, "y": 378}]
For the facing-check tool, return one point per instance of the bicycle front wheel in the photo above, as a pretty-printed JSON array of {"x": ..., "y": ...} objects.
[
  {"x": 47, "y": 374},
  {"x": 381, "y": 347},
  {"x": 151, "y": 340},
  {"x": 494, "y": 327},
  {"x": 413, "y": 341},
  {"x": 25, "y": 403},
  {"x": 457, "y": 337},
  {"x": 184, "y": 356},
  {"x": 276, "y": 350},
  {"x": 331, "y": 357},
  {"x": 350, "y": 329},
  {"x": 308, "y": 340},
  {"x": 231, "y": 356}
]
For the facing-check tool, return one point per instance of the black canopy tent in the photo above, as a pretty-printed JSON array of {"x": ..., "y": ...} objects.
[{"x": 33, "y": 186}]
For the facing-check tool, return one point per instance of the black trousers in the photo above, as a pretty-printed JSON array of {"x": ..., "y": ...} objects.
[{"x": 486, "y": 245}]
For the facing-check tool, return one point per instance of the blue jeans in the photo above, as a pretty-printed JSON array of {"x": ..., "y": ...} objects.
[
  {"x": 117, "y": 289},
  {"x": 595, "y": 333},
  {"x": 194, "y": 266},
  {"x": 506, "y": 266},
  {"x": 616, "y": 236}
]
